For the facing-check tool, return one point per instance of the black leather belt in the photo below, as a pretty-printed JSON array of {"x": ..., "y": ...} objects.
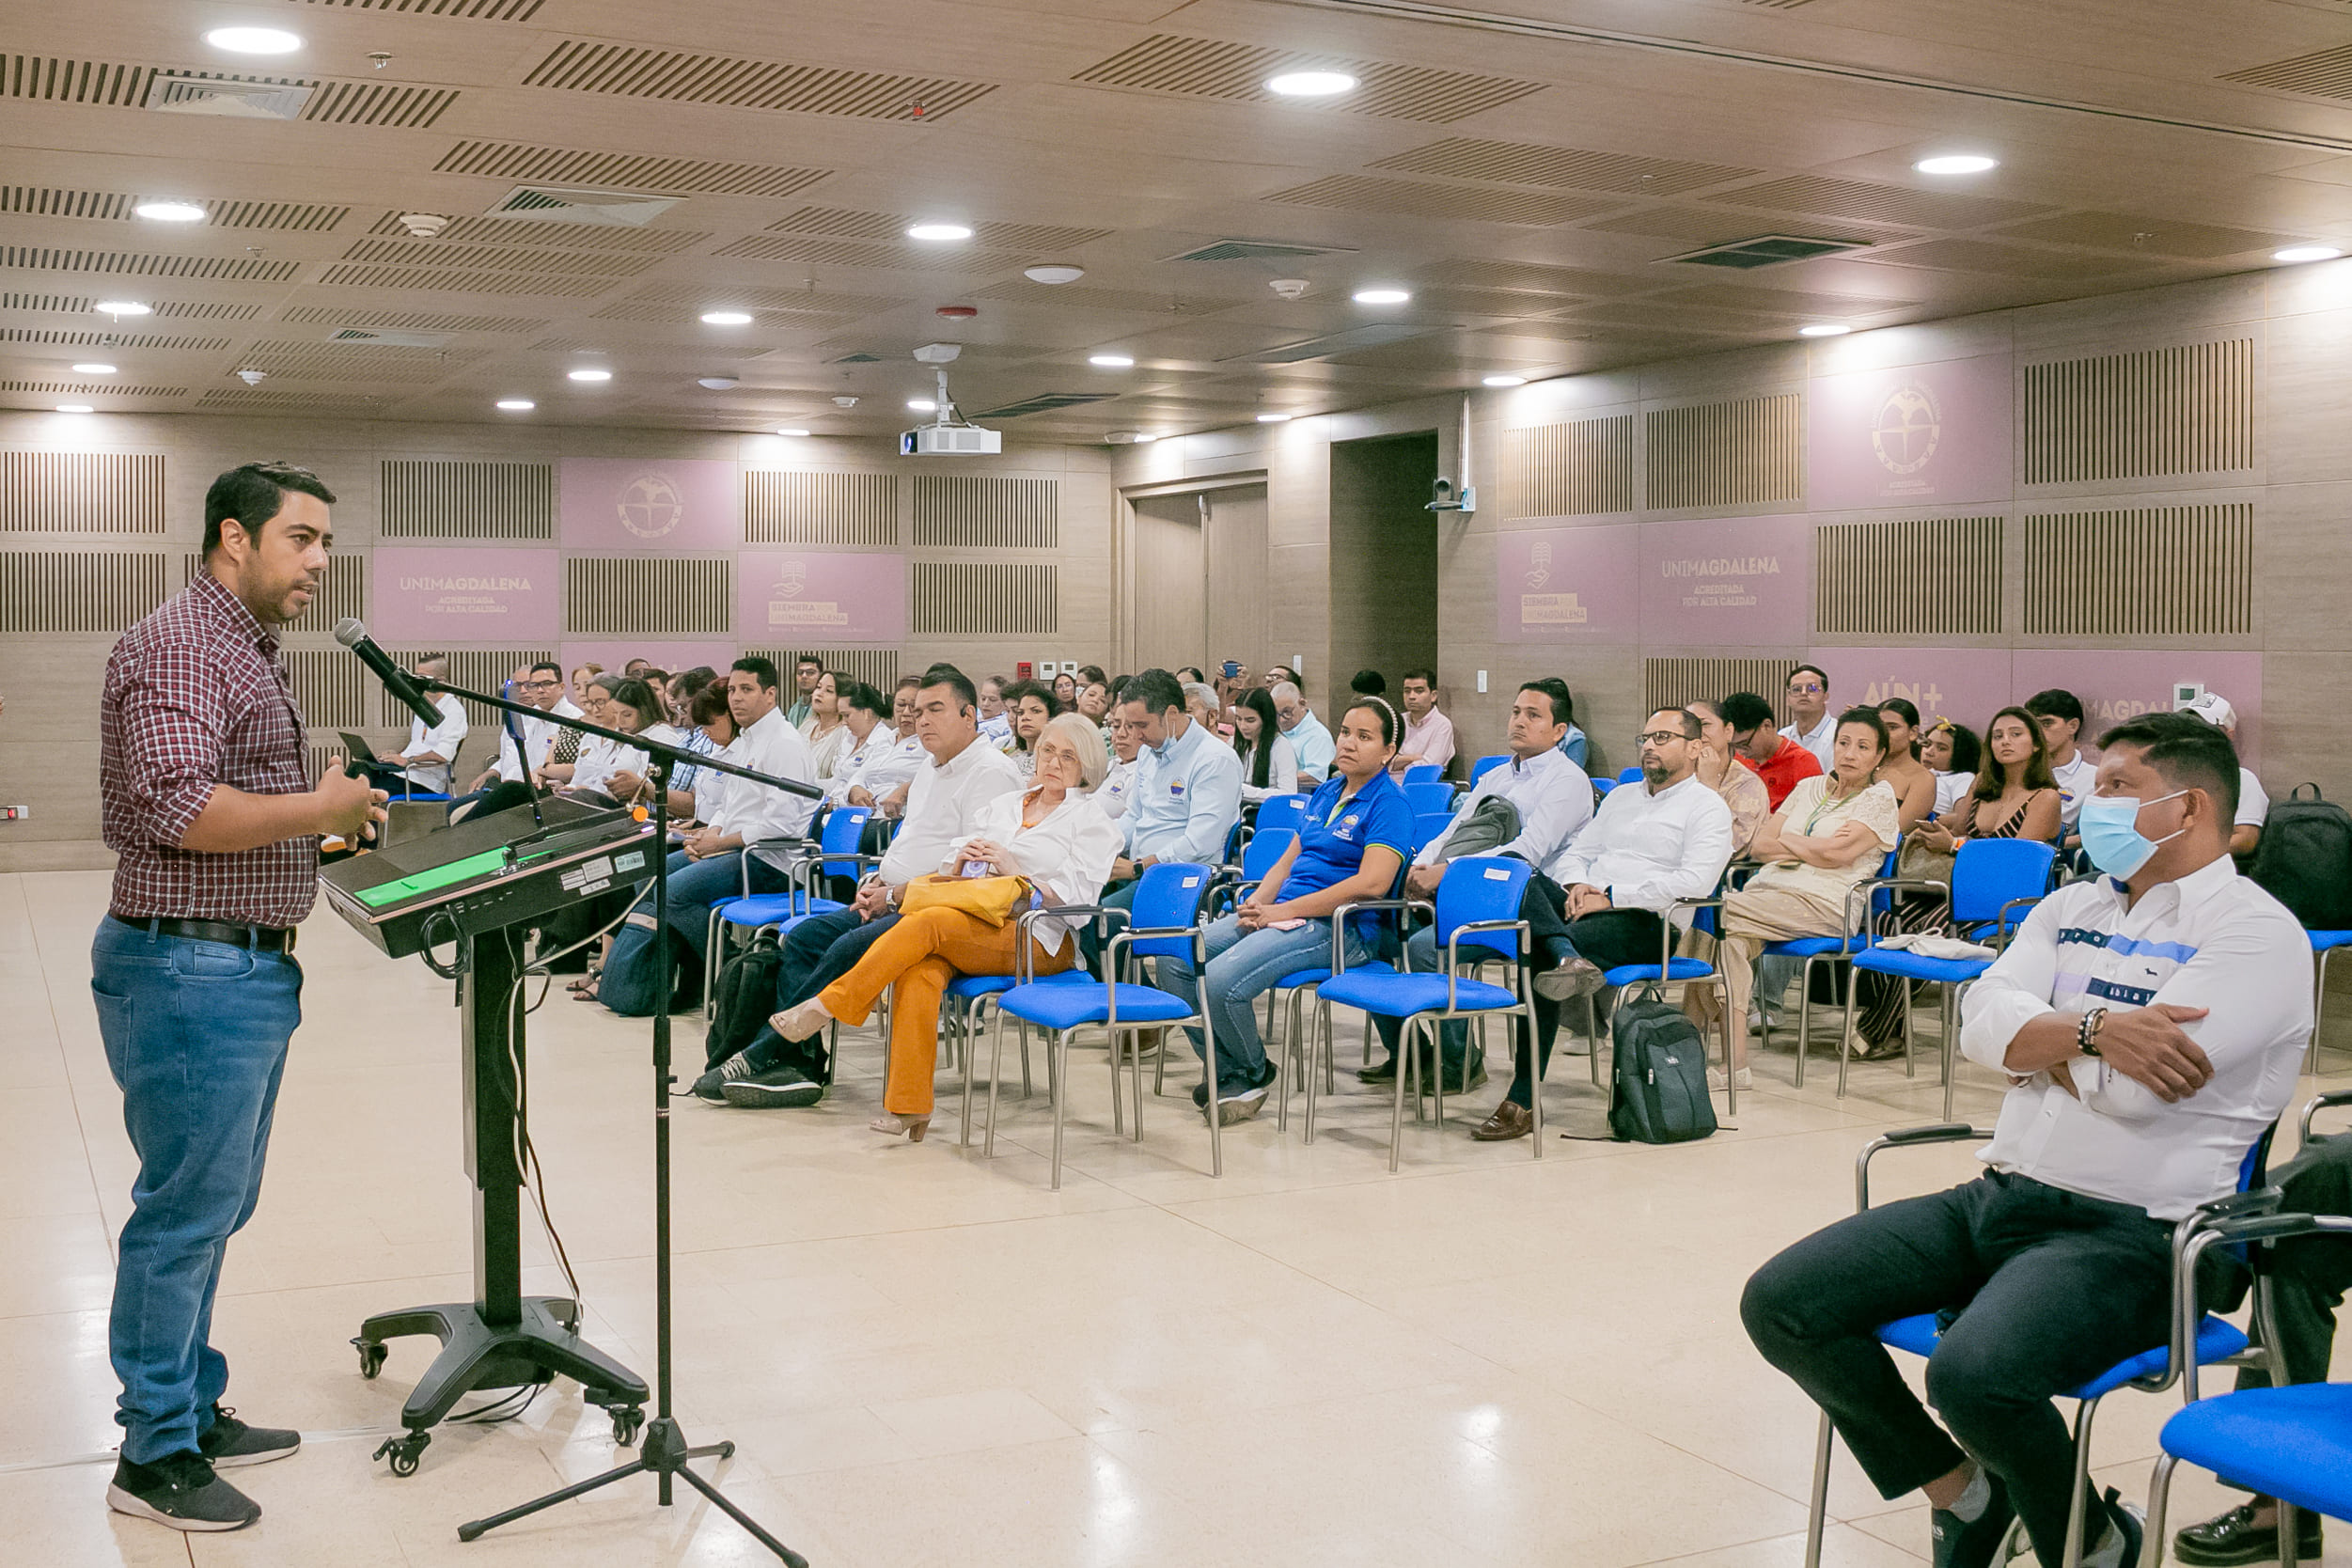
[{"x": 269, "y": 939}]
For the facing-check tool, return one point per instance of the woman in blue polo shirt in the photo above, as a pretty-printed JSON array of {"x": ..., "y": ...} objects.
[{"x": 1357, "y": 837}]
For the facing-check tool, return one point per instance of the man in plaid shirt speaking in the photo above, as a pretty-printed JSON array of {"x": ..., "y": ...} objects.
[{"x": 206, "y": 798}]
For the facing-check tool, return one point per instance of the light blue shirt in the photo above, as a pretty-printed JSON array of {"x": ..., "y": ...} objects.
[
  {"x": 1186, "y": 798},
  {"x": 1316, "y": 751}
]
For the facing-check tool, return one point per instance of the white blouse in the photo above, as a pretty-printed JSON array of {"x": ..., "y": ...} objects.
[
  {"x": 1067, "y": 858},
  {"x": 1949, "y": 787},
  {"x": 1281, "y": 771},
  {"x": 600, "y": 759},
  {"x": 828, "y": 748}
]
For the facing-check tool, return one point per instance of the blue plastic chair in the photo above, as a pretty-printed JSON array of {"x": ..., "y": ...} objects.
[
  {"x": 1990, "y": 877},
  {"x": 2293, "y": 1444},
  {"x": 1629, "y": 776},
  {"x": 1428, "y": 826},
  {"x": 1668, "y": 970},
  {"x": 2323, "y": 944},
  {"x": 411, "y": 795},
  {"x": 1264, "y": 850},
  {"x": 1423, "y": 772},
  {"x": 1601, "y": 787},
  {"x": 1164, "y": 919},
  {"x": 2215, "y": 1341},
  {"x": 837, "y": 840},
  {"x": 961, "y": 1004},
  {"x": 1478, "y": 909},
  {"x": 1485, "y": 766},
  {"x": 1282, "y": 811},
  {"x": 1426, "y": 798},
  {"x": 1834, "y": 949}
]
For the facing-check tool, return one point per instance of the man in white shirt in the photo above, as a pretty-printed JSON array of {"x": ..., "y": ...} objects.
[
  {"x": 422, "y": 766},
  {"x": 540, "y": 685},
  {"x": 1187, "y": 787},
  {"x": 963, "y": 773},
  {"x": 2060, "y": 714},
  {"x": 712, "y": 867},
  {"x": 2253, "y": 801},
  {"x": 2150, "y": 1025},
  {"x": 1428, "y": 734},
  {"x": 1552, "y": 798},
  {"x": 1308, "y": 738},
  {"x": 1815, "y": 728}
]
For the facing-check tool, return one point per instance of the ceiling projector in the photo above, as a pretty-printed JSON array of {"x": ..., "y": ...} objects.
[{"x": 949, "y": 435}]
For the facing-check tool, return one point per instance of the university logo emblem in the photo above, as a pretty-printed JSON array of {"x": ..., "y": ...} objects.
[
  {"x": 1539, "y": 564},
  {"x": 791, "y": 578},
  {"x": 1907, "y": 431},
  {"x": 650, "y": 507}
]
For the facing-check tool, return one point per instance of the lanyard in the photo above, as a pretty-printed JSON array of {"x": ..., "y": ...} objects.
[{"x": 1824, "y": 803}]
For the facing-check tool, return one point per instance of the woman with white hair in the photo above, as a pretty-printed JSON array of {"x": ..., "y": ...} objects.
[{"x": 1052, "y": 836}]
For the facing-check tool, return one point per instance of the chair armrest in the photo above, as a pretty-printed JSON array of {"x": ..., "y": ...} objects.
[
  {"x": 2000, "y": 916},
  {"x": 1471, "y": 928},
  {"x": 2323, "y": 1102},
  {"x": 1098, "y": 915},
  {"x": 1904, "y": 1138},
  {"x": 2254, "y": 1229},
  {"x": 1339, "y": 927}
]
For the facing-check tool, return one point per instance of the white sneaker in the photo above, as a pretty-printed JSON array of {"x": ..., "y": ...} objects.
[{"x": 1717, "y": 1080}]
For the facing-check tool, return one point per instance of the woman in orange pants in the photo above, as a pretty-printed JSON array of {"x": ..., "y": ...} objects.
[{"x": 1055, "y": 835}]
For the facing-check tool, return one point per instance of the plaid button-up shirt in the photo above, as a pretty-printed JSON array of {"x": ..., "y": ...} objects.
[{"x": 195, "y": 697}]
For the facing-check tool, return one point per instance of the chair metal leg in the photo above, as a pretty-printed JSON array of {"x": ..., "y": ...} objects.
[
  {"x": 1135, "y": 1054},
  {"x": 1119, "y": 1121},
  {"x": 996, "y": 1064},
  {"x": 2319, "y": 1013},
  {"x": 1058, "y": 1048},
  {"x": 2084, "y": 1412},
  {"x": 958, "y": 1015},
  {"x": 1804, "y": 1016},
  {"x": 1208, "y": 1071},
  {"x": 1817, "y": 1514},
  {"x": 710, "y": 935},
  {"x": 2153, "y": 1540},
  {"x": 1730, "y": 1074},
  {"x": 1535, "y": 1083},
  {"x": 1320, "y": 1042},
  {"x": 1951, "y": 1057},
  {"x": 1396, "y": 1119},
  {"x": 1845, "y": 1032}
]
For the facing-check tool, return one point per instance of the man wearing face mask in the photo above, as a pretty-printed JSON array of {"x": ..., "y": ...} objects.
[{"x": 2150, "y": 1025}]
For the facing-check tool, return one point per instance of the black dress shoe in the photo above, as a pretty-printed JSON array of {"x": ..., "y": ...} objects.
[
  {"x": 2235, "y": 1537},
  {"x": 1381, "y": 1072}
]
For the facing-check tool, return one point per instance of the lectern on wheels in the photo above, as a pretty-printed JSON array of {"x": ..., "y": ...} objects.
[{"x": 479, "y": 885}]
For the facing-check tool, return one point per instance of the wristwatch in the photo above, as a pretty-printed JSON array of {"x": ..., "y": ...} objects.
[{"x": 2087, "y": 1032}]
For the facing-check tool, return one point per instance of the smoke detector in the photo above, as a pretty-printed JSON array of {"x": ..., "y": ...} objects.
[
  {"x": 1288, "y": 288},
  {"x": 253, "y": 378},
  {"x": 939, "y": 354},
  {"x": 845, "y": 403},
  {"x": 719, "y": 383},
  {"x": 423, "y": 225}
]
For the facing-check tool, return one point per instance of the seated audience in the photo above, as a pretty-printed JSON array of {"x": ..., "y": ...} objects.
[
  {"x": 1065, "y": 687},
  {"x": 825, "y": 729},
  {"x": 1093, "y": 674},
  {"x": 2149, "y": 1025},
  {"x": 2058, "y": 714},
  {"x": 1202, "y": 704},
  {"x": 1606, "y": 898},
  {"x": 1187, "y": 787},
  {"x": 1050, "y": 834},
  {"x": 581, "y": 676},
  {"x": 907, "y": 756},
  {"x": 1428, "y": 734},
  {"x": 1030, "y": 703},
  {"x": 2013, "y": 795},
  {"x": 422, "y": 766},
  {"x": 1903, "y": 772},
  {"x": 682, "y": 690},
  {"x": 712, "y": 734},
  {"x": 1576, "y": 744},
  {"x": 1269, "y": 760},
  {"x": 634, "y": 669},
  {"x": 508, "y": 782},
  {"x": 1777, "y": 761},
  {"x": 1811, "y": 724},
  {"x": 1094, "y": 701},
  {"x": 1358, "y": 832},
  {"x": 1833, "y": 831},
  {"x": 1549, "y": 798},
  {"x": 963, "y": 774},
  {"x": 807, "y": 669},
  {"x": 995, "y": 726},
  {"x": 1368, "y": 683},
  {"x": 557, "y": 771},
  {"x": 1308, "y": 738},
  {"x": 1742, "y": 791},
  {"x": 1116, "y": 791},
  {"x": 1951, "y": 752},
  {"x": 2254, "y": 803},
  {"x": 868, "y": 755},
  {"x": 606, "y": 772}
]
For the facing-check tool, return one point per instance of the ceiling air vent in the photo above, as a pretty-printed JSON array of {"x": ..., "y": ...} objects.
[
  {"x": 1766, "y": 250},
  {"x": 389, "y": 340},
  {"x": 603, "y": 209},
  {"x": 238, "y": 96},
  {"x": 1044, "y": 402},
  {"x": 1331, "y": 343},
  {"x": 856, "y": 359},
  {"x": 1257, "y": 250}
]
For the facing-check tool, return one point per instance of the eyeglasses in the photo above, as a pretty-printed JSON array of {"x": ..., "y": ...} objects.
[
  {"x": 1659, "y": 737},
  {"x": 1808, "y": 689},
  {"x": 538, "y": 685}
]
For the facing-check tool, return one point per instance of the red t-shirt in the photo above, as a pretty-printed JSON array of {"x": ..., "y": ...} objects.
[{"x": 1783, "y": 768}]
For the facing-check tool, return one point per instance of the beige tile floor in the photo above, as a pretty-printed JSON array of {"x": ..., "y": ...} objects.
[{"x": 926, "y": 1357}]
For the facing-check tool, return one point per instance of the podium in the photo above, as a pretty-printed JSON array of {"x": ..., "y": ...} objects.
[{"x": 481, "y": 883}]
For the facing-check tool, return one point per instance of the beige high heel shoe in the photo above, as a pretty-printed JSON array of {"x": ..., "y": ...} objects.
[{"x": 891, "y": 1124}]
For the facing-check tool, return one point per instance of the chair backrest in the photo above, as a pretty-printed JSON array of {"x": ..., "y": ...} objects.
[
  {"x": 1169, "y": 896},
  {"x": 1988, "y": 872},
  {"x": 1282, "y": 811},
  {"x": 1485, "y": 766},
  {"x": 1629, "y": 776},
  {"x": 1480, "y": 887},
  {"x": 1433, "y": 796},
  {"x": 1601, "y": 787},
  {"x": 1423, "y": 772},
  {"x": 844, "y": 830},
  {"x": 1265, "y": 847},
  {"x": 2254, "y": 1170},
  {"x": 1427, "y": 825}
]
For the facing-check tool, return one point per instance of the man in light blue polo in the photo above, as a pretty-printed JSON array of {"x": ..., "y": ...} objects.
[
  {"x": 1308, "y": 738},
  {"x": 1186, "y": 791}
]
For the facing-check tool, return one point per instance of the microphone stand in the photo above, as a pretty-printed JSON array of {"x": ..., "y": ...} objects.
[{"x": 663, "y": 1452}]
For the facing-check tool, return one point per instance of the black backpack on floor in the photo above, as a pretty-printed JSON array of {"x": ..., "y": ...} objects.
[
  {"x": 1658, "y": 1081},
  {"x": 2304, "y": 859},
  {"x": 744, "y": 997}
]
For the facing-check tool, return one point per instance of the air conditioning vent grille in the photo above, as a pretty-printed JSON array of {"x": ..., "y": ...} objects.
[{"x": 1765, "y": 250}]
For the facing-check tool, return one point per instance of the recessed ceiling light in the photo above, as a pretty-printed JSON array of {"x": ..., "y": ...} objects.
[
  {"x": 1823, "y": 329},
  {"x": 939, "y": 231},
  {"x": 1110, "y": 361},
  {"x": 591, "y": 376},
  {"x": 1381, "y": 296},
  {"x": 170, "y": 212},
  {"x": 517, "y": 405},
  {"x": 252, "y": 40},
  {"x": 1502, "y": 380},
  {"x": 123, "y": 307},
  {"x": 94, "y": 369},
  {"x": 719, "y": 383},
  {"x": 1273, "y": 419},
  {"x": 1144, "y": 438},
  {"x": 2306, "y": 252},
  {"x": 1054, "y": 272},
  {"x": 1311, "y": 83},
  {"x": 791, "y": 431},
  {"x": 727, "y": 318},
  {"x": 75, "y": 408},
  {"x": 1957, "y": 163},
  {"x": 922, "y": 405}
]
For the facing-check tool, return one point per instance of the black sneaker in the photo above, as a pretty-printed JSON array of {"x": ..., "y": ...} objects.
[
  {"x": 1973, "y": 1543},
  {"x": 777, "y": 1087},
  {"x": 2232, "y": 1538},
  {"x": 711, "y": 1085},
  {"x": 229, "y": 1441},
  {"x": 179, "y": 1492},
  {"x": 1457, "y": 1084}
]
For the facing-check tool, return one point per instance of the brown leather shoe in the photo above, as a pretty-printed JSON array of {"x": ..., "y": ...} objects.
[{"x": 1511, "y": 1120}]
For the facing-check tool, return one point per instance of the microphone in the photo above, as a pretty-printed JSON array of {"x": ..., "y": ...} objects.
[{"x": 353, "y": 633}]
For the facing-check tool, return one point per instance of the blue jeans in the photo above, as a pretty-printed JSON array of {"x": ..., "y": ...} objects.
[
  {"x": 695, "y": 885},
  {"x": 196, "y": 1035},
  {"x": 1243, "y": 965}
]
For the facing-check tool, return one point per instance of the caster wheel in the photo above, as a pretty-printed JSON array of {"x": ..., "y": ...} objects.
[
  {"x": 403, "y": 1454},
  {"x": 626, "y": 1425},
  {"x": 371, "y": 1354}
]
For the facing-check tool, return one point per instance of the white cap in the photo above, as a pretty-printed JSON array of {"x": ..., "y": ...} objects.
[{"x": 2214, "y": 709}]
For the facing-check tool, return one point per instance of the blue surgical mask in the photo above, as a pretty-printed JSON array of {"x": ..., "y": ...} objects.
[{"x": 2109, "y": 825}]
